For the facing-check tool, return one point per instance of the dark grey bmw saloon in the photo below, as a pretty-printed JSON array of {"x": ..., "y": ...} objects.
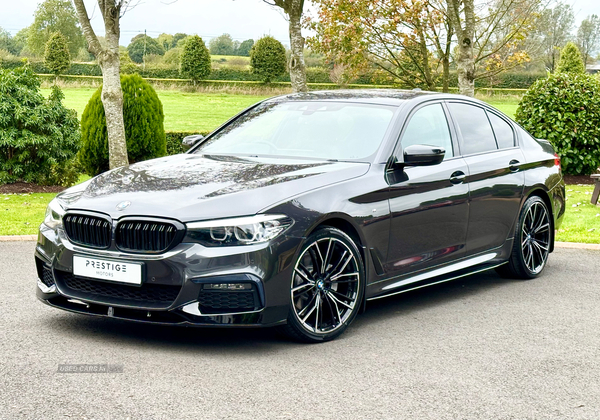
[{"x": 302, "y": 208}]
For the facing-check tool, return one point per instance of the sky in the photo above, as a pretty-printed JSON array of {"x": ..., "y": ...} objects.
[{"x": 242, "y": 19}]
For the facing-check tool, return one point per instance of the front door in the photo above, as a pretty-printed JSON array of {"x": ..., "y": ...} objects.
[{"x": 428, "y": 204}]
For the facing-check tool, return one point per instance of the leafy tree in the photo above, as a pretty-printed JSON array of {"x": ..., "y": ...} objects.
[
  {"x": 38, "y": 137},
  {"x": 141, "y": 46},
  {"x": 165, "y": 41},
  {"x": 127, "y": 64},
  {"x": 195, "y": 59},
  {"x": 221, "y": 45},
  {"x": 244, "y": 48},
  {"x": 176, "y": 38},
  {"x": 267, "y": 58},
  {"x": 144, "y": 117},
  {"x": 56, "y": 57},
  {"x": 570, "y": 60},
  {"x": 173, "y": 56},
  {"x": 54, "y": 16},
  {"x": 588, "y": 37},
  {"x": 565, "y": 110},
  {"x": 8, "y": 43}
]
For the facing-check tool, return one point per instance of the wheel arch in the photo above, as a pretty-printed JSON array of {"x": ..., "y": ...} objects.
[{"x": 342, "y": 222}]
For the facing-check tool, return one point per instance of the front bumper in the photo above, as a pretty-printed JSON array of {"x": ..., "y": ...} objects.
[{"x": 172, "y": 290}]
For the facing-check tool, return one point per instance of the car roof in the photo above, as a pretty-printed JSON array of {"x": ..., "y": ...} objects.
[{"x": 393, "y": 97}]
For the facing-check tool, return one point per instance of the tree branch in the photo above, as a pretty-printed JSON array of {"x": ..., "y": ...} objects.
[{"x": 93, "y": 44}]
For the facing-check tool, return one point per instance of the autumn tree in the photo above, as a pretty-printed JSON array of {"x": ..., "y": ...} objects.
[
  {"x": 53, "y": 16},
  {"x": 297, "y": 67},
  {"x": 588, "y": 36},
  {"x": 109, "y": 61},
  {"x": 410, "y": 40}
]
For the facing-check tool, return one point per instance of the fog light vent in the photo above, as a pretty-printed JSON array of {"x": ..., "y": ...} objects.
[{"x": 216, "y": 298}]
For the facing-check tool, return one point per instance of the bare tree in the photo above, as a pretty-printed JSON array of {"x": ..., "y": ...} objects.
[
  {"x": 490, "y": 37},
  {"x": 588, "y": 36},
  {"x": 108, "y": 59},
  {"x": 294, "y": 9},
  {"x": 553, "y": 31}
]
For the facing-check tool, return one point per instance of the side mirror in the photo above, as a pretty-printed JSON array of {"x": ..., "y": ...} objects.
[
  {"x": 423, "y": 155},
  {"x": 190, "y": 141}
]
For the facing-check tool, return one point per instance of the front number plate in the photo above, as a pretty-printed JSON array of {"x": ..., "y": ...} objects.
[{"x": 116, "y": 271}]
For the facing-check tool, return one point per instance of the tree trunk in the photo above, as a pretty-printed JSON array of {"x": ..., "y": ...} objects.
[
  {"x": 446, "y": 74},
  {"x": 466, "y": 68},
  {"x": 465, "y": 30},
  {"x": 297, "y": 65},
  {"x": 112, "y": 99},
  {"x": 109, "y": 60}
]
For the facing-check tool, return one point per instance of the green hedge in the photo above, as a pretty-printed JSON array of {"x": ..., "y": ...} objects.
[
  {"x": 508, "y": 80},
  {"x": 565, "y": 110},
  {"x": 174, "y": 139}
]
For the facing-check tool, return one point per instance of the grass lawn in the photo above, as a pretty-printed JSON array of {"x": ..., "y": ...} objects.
[
  {"x": 23, "y": 213},
  {"x": 206, "y": 111},
  {"x": 582, "y": 219},
  {"x": 183, "y": 111},
  {"x": 506, "y": 107}
]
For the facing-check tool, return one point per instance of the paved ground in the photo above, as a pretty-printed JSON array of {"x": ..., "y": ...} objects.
[{"x": 477, "y": 348}]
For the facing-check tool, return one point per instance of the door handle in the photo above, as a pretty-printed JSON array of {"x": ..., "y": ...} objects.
[
  {"x": 458, "y": 177},
  {"x": 514, "y": 165}
]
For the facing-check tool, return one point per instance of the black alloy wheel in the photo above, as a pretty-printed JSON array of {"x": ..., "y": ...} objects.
[
  {"x": 327, "y": 287},
  {"x": 531, "y": 243}
]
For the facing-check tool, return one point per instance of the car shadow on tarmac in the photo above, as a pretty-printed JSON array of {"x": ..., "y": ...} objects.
[{"x": 240, "y": 340}]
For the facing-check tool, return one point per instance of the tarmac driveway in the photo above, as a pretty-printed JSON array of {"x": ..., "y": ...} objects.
[{"x": 477, "y": 348}]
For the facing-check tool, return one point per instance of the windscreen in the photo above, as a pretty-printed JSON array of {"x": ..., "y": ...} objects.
[{"x": 323, "y": 130}]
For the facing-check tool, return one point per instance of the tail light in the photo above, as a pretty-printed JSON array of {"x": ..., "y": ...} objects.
[{"x": 557, "y": 161}]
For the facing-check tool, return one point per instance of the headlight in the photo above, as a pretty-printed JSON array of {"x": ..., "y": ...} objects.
[
  {"x": 54, "y": 214},
  {"x": 238, "y": 231}
]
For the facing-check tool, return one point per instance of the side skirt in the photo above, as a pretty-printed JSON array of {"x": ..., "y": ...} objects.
[{"x": 463, "y": 268}]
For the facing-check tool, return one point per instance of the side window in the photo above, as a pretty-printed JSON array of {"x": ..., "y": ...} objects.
[
  {"x": 429, "y": 126},
  {"x": 477, "y": 134},
  {"x": 505, "y": 137}
]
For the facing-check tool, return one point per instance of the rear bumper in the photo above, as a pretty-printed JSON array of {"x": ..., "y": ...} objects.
[{"x": 173, "y": 291}]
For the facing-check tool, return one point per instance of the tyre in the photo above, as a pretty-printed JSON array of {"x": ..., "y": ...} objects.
[
  {"x": 326, "y": 288},
  {"x": 531, "y": 242}
]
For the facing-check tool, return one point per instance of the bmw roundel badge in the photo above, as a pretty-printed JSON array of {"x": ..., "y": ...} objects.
[{"x": 123, "y": 205}]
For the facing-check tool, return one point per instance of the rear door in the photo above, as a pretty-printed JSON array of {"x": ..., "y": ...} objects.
[
  {"x": 429, "y": 204},
  {"x": 488, "y": 144}
]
